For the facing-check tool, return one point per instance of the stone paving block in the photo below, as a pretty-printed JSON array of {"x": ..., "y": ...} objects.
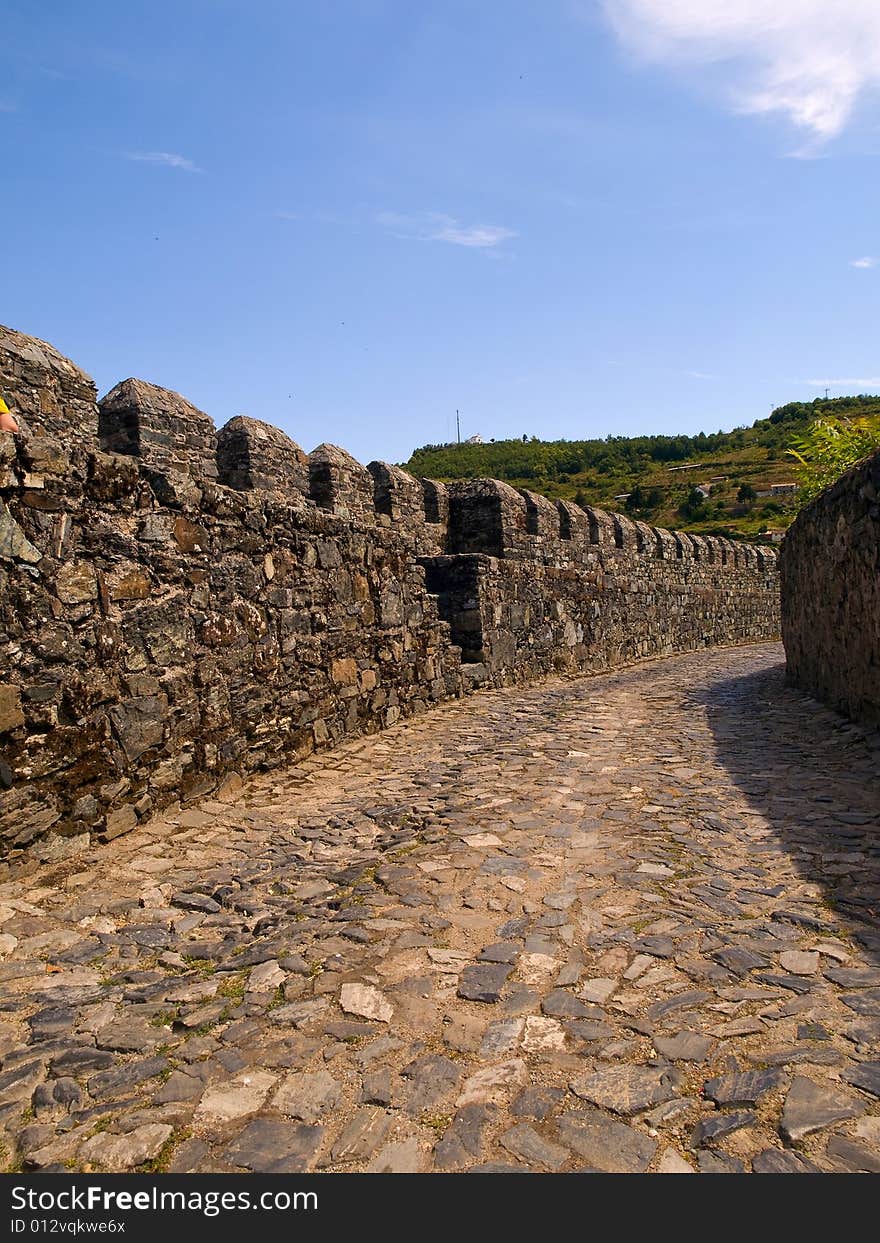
[
  {"x": 381, "y": 1062},
  {"x": 268, "y": 1146}
]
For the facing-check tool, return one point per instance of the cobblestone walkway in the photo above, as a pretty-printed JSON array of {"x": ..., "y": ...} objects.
[{"x": 624, "y": 923}]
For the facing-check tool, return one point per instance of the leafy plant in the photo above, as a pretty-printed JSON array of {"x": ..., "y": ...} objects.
[{"x": 828, "y": 448}]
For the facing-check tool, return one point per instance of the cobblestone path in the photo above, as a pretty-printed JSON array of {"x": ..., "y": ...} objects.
[{"x": 626, "y": 923}]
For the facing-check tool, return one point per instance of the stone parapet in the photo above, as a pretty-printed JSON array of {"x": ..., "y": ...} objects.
[
  {"x": 178, "y": 605},
  {"x": 830, "y": 571}
]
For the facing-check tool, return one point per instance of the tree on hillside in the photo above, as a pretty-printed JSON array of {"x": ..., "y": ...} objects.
[
  {"x": 746, "y": 494},
  {"x": 830, "y": 447},
  {"x": 643, "y": 500},
  {"x": 694, "y": 507}
]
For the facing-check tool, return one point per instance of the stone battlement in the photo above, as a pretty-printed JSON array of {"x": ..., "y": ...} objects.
[{"x": 180, "y": 606}]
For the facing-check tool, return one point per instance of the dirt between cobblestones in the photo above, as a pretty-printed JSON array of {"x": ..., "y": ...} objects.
[{"x": 623, "y": 923}]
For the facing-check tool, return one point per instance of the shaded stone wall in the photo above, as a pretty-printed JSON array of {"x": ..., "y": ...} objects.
[
  {"x": 179, "y": 607},
  {"x": 830, "y": 568}
]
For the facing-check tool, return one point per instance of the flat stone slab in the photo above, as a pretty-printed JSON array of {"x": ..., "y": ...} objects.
[
  {"x": 365, "y": 1001},
  {"x": 852, "y": 977},
  {"x": 605, "y": 1145},
  {"x": 126, "y": 1151},
  {"x": 365, "y": 1132},
  {"x": 401, "y": 1157},
  {"x": 560, "y": 1003},
  {"x": 799, "y": 962},
  {"x": 853, "y": 1155},
  {"x": 462, "y": 1142},
  {"x": 484, "y": 983},
  {"x": 542, "y": 1035},
  {"x": 673, "y": 1162},
  {"x": 307, "y": 1096},
  {"x": 684, "y": 1046},
  {"x": 739, "y": 959},
  {"x": 268, "y": 1146},
  {"x": 811, "y": 1106},
  {"x": 493, "y": 1083},
  {"x": 774, "y": 1161},
  {"x": 501, "y": 951},
  {"x": 597, "y": 990},
  {"x": 242, "y": 1095},
  {"x": 709, "y": 1130},
  {"x": 627, "y": 1089},
  {"x": 743, "y": 1088},
  {"x": 866, "y": 1076},
  {"x": 866, "y": 1002},
  {"x": 532, "y": 1148}
]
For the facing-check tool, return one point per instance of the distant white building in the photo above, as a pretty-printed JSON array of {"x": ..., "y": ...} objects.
[
  {"x": 779, "y": 489},
  {"x": 474, "y": 440}
]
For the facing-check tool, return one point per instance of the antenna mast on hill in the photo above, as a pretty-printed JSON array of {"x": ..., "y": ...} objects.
[{"x": 457, "y": 427}]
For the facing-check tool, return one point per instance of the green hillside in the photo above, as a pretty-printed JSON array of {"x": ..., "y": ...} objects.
[{"x": 660, "y": 473}]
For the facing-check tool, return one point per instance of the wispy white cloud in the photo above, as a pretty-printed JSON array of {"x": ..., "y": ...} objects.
[
  {"x": 434, "y": 227},
  {"x": 808, "y": 60},
  {"x": 169, "y": 159},
  {"x": 866, "y": 261},
  {"x": 701, "y": 375},
  {"x": 863, "y": 383},
  {"x": 287, "y": 215}
]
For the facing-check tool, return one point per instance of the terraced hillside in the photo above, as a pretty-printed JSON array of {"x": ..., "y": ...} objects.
[{"x": 660, "y": 478}]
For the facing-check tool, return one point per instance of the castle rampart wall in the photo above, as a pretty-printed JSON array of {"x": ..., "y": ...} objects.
[{"x": 179, "y": 607}]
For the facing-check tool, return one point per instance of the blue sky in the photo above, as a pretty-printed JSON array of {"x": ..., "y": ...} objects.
[{"x": 349, "y": 218}]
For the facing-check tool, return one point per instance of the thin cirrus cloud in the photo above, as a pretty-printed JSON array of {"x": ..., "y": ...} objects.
[
  {"x": 809, "y": 61},
  {"x": 701, "y": 375},
  {"x": 167, "y": 159},
  {"x": 866, "y": 261},
  {"x": 434, "y": 227},
  {"x": 862, "y": 383}
]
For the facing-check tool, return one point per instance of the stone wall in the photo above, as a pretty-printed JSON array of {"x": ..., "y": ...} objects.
[
  {"x": 179, "y": 607},
  {"x": 830, "y": 567},
  {"x": 561, "y": 589}
]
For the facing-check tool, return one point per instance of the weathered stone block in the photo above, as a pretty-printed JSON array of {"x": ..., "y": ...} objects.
[
  {"x": 158, "y": 426},
  {"x": 11, "y": 715},
  {"x": 252, "y": 454}
]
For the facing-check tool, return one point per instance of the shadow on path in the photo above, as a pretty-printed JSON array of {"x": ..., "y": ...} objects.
[{"x": 815, "y": 777}]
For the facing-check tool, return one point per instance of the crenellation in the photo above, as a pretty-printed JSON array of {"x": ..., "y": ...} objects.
[
  {"x": 573, "y": 523},
  {"x": 340, "y": 484},
  {"x": 667, "y": 549},
  {"x": 253, "y": 454},
  {"x": 163, "y": 430},
  {"x": 488, "y": 516},
  {"x": 713, "y": 551},
  {"x": 168, "y": 627},
  {"x": 626, "y": 536},
  {"x": 435, "y": 497},
  {"x": 601, "y": 526},
  {"x": 397, "y": 495},
  {"x": 699, "y": 551},
  {"x": 723, "y": 550},
  {"x": 684, "y": 549},
  {"x": 646, "y": 540},
  {"x": 543, "y": 524},
  {"x": 55, "y": 405}
]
